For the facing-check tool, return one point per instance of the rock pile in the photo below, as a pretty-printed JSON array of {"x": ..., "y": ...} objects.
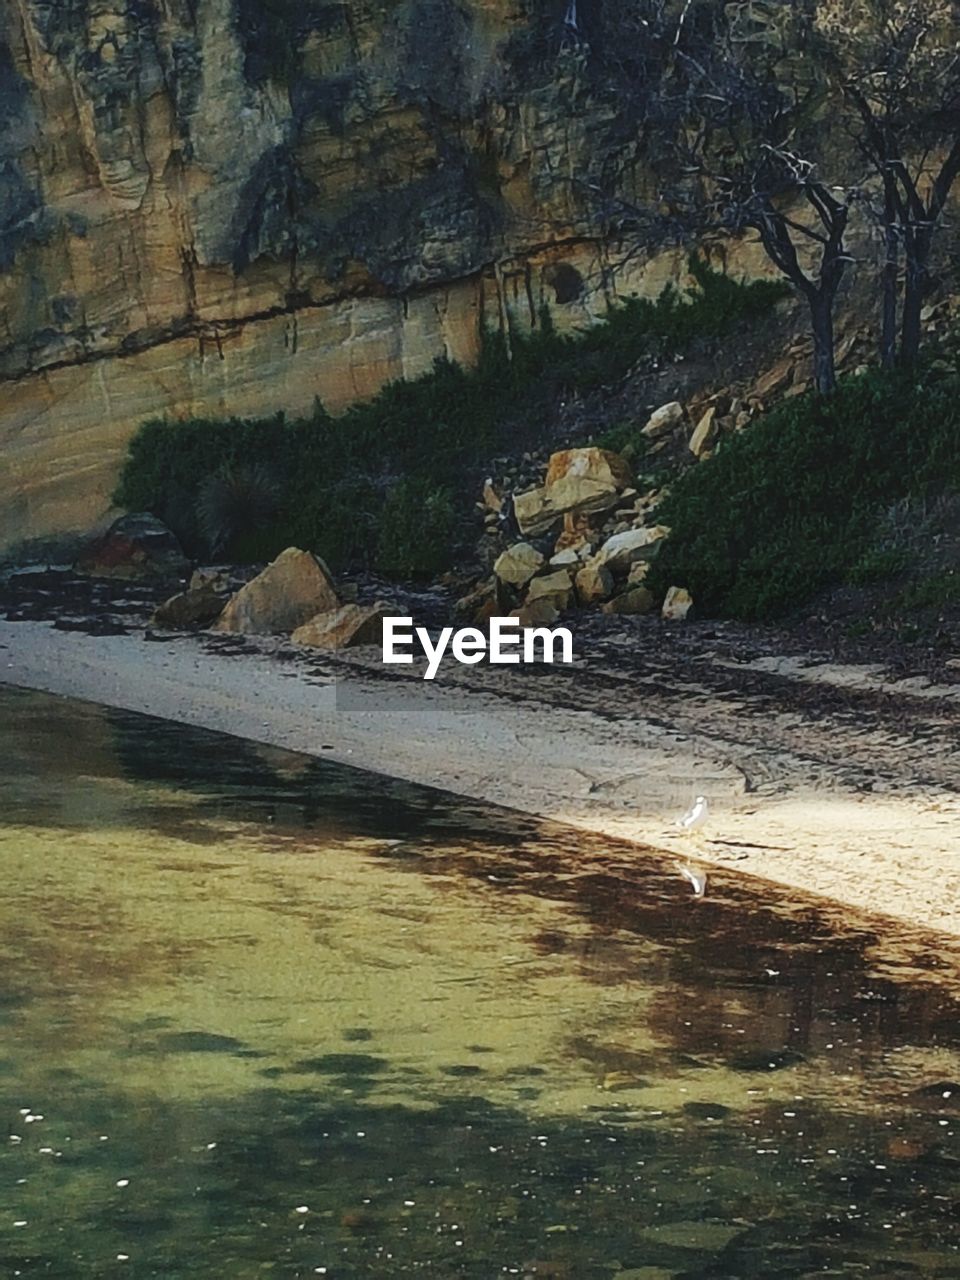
[
  {"x": 586, "y": 537},
  {"x": 294, "y": 595}
]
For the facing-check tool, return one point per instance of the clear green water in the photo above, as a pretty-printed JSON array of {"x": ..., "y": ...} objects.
[{"x": 264, "y": 1016}]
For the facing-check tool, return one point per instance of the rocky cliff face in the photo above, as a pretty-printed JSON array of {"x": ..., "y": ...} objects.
[{"x": 234, "y": 206}]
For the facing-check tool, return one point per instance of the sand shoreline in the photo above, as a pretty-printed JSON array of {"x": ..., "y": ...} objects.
[{"x": 854, "y": 797}]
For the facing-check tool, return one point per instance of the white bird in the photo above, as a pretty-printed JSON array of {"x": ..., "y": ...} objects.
[
  {"x": 697, "y": 881},
  {"x": 695, "y": 816}
]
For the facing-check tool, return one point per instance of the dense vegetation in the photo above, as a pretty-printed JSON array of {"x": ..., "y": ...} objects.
[
  {"x": 381, "y": 485},
  {"x": 819, "y": 491}
]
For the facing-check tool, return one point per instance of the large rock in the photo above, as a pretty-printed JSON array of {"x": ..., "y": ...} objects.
[
  {"x": 677, "y": 604},
  {"x": 588, "y": 479},
  {"x": 533, "y": 512},
  {"x": 291, "y": 590},
  {"x": 188, "y": 609},
  {"x": 135, "y": 547},
  {"x": 344, "y": 628},
  {"x": 518, "y": 564},
  {"x": 577, "y": 481},
  {"x": 624, "y": 549},
  {"x": 590, "y": 463},
  {"x": 593, "y": 583}
]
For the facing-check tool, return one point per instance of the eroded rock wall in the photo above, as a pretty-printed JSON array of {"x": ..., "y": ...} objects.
[{"x": 234, "y": 206}]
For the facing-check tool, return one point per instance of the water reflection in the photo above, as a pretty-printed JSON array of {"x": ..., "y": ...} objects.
[{"x": 261, "y": 1013}]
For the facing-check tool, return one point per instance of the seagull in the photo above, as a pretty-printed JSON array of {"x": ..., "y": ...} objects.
[
  {"x": 695, "y": 817},
  {"x": 697, "y": 881}
]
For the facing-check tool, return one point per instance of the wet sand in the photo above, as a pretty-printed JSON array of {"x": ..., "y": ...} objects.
[{"x": 823, "y": 777}]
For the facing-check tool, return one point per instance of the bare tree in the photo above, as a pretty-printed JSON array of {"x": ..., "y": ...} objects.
[
  {"x": 896, "y": 64},
  {"x": 749, "y": 130},
  {"x": 797, "y": 217}
]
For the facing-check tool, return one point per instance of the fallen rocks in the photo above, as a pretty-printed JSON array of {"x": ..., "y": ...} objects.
[
  {"x": 518, "y": 564},
  {"x": 676, "y": 605},
  {"x": 291, "y": 590},
  {"x": 135, "y": 547},
  {"x": 602, "y": 553},
  {"x": 344, "y": 628}
]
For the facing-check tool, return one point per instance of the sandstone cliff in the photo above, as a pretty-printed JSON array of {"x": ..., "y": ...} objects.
[{"x": 234, "y": 206}]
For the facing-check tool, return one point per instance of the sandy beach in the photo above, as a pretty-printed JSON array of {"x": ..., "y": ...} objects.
[{"x": 823, "y": 777}]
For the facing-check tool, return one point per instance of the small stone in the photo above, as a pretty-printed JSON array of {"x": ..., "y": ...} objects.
[
  {"x": 624, "y": 549},
  {"x": 593, "y": 583},
  {"x": 704, "y": 433},
  {"x": 663, "y": 420},
  {"x": 484, "y": 592},
  {"x": 189, "y": 609},
  {"x": 578, "y": 531},
  {"x": 555, "y": 587},
  {"x": 518, "y": 564},
  {"x": 220, "y": 579},
  {"x": 491, "y": 499},
  {"x": 533, "y": 512},
  {"x": 677, "y": 604},
  {"x": 539, "y": 613},
  {"x": 564, "y": 558},
  {"x": 638, "y": 573},
  {"x": 636, "y": 600},
  {"x": 774, "y": 380}
]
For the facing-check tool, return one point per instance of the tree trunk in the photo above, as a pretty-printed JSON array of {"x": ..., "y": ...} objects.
[
  {"x": 821, "y": 321},
  {"x": 888, "y": 283},
  {"x": 914, "y": 292}
]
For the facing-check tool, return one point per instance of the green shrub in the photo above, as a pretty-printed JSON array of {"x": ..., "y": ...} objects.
[
  {"x": 354, "y": 488},
  {"x": 794, "y": 504},
  {"x": 932, "y": 591},
  {"x": 417, "y": 530},
  {"x": 236, "y": 507}
]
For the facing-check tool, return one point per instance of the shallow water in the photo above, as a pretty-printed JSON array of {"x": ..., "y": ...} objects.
[{"x": 263, "y": 1015}]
